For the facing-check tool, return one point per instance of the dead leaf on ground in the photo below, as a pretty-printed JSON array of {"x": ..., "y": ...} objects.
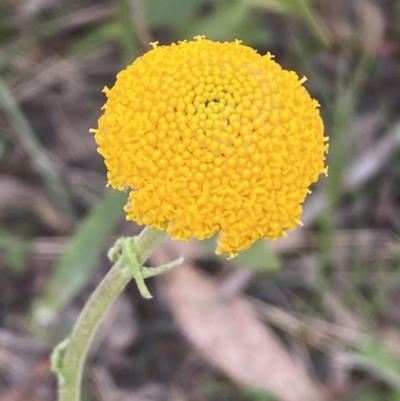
[{"x": 228, "y": 334}]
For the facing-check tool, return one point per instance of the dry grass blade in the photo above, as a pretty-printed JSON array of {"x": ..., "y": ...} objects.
[
  {"x": 39, "y": 156},
  {"x": 21, "y": 344},
  {"x": 314, "y": 331},
  {"x": 52, "y": 71},
  {"x": 372, "y": 244},
  {"x": 139, "y": 20},
  {"x": 373, "y": 25},
  {"x": 359, "y": 173},
  {"x": 229, "y": 336},
  {"x": 80, "y": 18},
  {"x": 15, "y": 194}
]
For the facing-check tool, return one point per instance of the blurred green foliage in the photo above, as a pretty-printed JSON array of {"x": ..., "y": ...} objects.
[
  {"x": 346, "y": 79},
  {"x": 15, "y": 251}
]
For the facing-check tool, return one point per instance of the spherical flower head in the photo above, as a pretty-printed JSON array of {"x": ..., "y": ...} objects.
[{"x": 212, "y": 137}]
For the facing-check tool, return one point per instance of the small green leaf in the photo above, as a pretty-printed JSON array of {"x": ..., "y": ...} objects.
[{"x": 258, "y": 257}]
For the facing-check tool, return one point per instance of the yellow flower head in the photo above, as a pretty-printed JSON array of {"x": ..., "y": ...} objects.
[{"x": 212, "y": 138}]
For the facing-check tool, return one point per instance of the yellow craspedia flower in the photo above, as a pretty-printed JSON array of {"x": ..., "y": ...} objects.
[{"x": 212, "y": 137}]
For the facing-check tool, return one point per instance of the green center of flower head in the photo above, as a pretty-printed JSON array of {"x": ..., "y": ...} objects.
[{"x": 212, "y": 138}]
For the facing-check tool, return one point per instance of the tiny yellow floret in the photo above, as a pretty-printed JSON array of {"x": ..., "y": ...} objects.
[{"x": 212, "y": 137}]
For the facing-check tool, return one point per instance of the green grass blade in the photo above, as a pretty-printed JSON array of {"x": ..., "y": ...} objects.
[
  {"x": 373, "y": 357},
  {"x": 128, "y": 31},
  {"x": 349, "y": 88},
  {"x": 170, "y": 12},
  {"x": 302, "y": 9},
  {"x": 81, "y": 256},
  {"x": 241, "y": 24}
]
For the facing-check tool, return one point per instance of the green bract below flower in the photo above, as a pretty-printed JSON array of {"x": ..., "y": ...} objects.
[{"x": 209, "y": 138}]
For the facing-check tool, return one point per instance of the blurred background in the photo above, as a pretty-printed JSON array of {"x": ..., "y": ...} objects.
[{"x": 314, "y": 316}]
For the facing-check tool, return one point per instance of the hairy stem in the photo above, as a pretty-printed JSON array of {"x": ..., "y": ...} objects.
[{"x": 77, "y": 345}]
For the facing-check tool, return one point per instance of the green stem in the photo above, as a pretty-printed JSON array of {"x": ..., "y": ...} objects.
[{"x": 78, "y": 343}]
